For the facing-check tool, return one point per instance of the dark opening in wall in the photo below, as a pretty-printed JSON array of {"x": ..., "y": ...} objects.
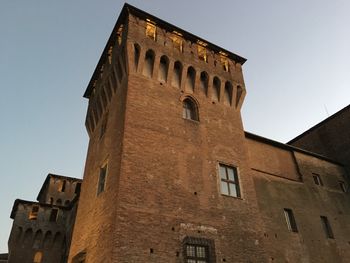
[
  {"x": 137, "y": 51},
  {"x": 149, "y": 63},
  {"x": 163, "y": 68},
  {"x": 204, "y": 79},
  {"x": 190, "y": 80},
  {"x": 177, "y": 75},
  {"x": 216, "y": 89}
]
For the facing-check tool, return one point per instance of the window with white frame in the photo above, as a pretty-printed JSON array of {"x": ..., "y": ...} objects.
[{"x": 229, "y": 184}]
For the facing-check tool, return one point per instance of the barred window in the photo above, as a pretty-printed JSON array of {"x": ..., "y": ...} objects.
[
  {"x": 198, "y": 250},
  {"x": 196, "y": 254}
]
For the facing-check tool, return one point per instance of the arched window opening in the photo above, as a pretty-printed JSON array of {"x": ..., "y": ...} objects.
[
  {"x": 137, "y": 51},
  {"x": 216, "y": 89},
  {"x": 38, "y": 239},
  {"x": 189, "y": 110},
  {"x": 57, "y": 240},
  {"x": 228, "y": 93},
  {"x": 149, "y": 63},
  {"x": 47, "y": 240},
  {"x": 177, "y": 74},
  {"x": 59, "y": 202},
  {"x": 239, "y": 95},
  {"x": 27, "y": 238},
  {"x": 19, "y": 234},
  {"x": 204, "y": 82},
  {"x": 38, "y": 257},
  {"x": 190, "y": 80},
  {"x": 163, "y": 69}
]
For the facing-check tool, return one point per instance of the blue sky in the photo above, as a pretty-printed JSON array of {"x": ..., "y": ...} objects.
[{"x": 298, "y": 69}]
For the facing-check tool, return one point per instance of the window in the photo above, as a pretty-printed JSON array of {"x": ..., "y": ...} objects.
[
  {"x": 229, "y": 181},
  {"x": 137, "y": 51},
  {"x": 53, "y": 215},
  {"x": 102, "y": 179},
  {"x": 163, "y": 69},
  {"x": 198, "y": 250},
  {"x": 202, "y": 53},
  {"x": 327, "y": 227},
  {"x": 196, "y": 254},
  {"x": 77, "y": 188},
  {"x": 38, "y": 257},
  {"x": 224, "y": 63},
  {"x": 228, "y": 93},
  {"x": 177, "y": 41},
  {"x": 33, "y": 215},
  {"x": 290, "y": 220},
  {"x": 148, "y": 65},
  {"x": 177, "y": 74},
  {"x": 317, "y": 179},
  {"x": 342, "y": 186},
  {"x": 216, "y": 89},
  {"x": 191, "y": 77},
  {"x": 151, "y": 30},
  {"x": 189, "y": 111},
  {"x": 204, "y": 82},
  {"x": 62, "y": 186}
]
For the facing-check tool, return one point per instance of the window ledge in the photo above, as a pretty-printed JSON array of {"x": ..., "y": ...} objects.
[
  {"x": 230, "y": 196},
  {"x": 192, "y": 121}
]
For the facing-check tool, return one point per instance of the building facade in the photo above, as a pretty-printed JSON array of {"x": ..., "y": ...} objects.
[
  {"x": 171, "y": 175},
  {"x": 41, "y": 231}
]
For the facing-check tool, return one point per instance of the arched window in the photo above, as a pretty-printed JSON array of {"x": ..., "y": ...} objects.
[
  {"x": 228, "y": 93},
  {"x": 137, "y": 51},
  {"x": 189, "y": 110},
  {"x": 216, "y": 89},
  {"x": 38, "y": 257},
  {"x": 204, "y": 82},
  {"x": 27, "y": 238},
  {"x": 149, "y": 62},
  {"x": 191, "y": 76},
  {"x": 38, "y": 239},
  {"x": 163, "y": 69},
  {"x": 177, "y": 74},
  {"x": 47, "y": 240}
]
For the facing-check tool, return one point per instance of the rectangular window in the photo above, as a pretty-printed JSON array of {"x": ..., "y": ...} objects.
[
  {"x": 53, "y": 215},
  {"x": 326, "y": 227},
  {"x": 102, "y": 179},
  {"x": 33, "y": 215},
  {"x": 177, "y": 41},
  {"x": 151, "y": 30},
  {"x": 229, "y": 184},
  {"x": 317, "y": 179},
  {"x": 342, "y": 186},
  {"x": 290, "y": 220},
  {"x": 197, "y": 254},
  {"x": 202, "y": 53}
]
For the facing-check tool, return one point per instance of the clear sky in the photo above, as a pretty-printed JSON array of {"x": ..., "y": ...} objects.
[{"x": 298, "y": 68}]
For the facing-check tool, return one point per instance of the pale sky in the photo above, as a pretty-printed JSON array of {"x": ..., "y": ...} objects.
[{"x": 298, "y": 68}]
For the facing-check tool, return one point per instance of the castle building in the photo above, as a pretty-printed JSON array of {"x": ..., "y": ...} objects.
[
  {"x": 41, "y": 231},
  {"x": 171, "y": 175}
]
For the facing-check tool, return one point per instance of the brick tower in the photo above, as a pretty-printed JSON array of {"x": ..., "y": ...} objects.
[{"x": 167, "y": 173}]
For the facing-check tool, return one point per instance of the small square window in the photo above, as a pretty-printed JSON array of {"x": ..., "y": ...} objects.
[
  {"x": 290, "y": 220},
  {"x": 326, "y": 227},
  {"x": 342, "y": 186},
  {"x": 229, "y": 184},
  {"x": 317, "y": 179},
  {"x": 33, "y": 215},
  {"x": 102, "y": 179}
]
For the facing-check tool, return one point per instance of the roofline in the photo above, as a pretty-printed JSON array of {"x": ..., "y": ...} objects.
[
  {"x": 319, "y": 124},
  {"x": 127, "y": 8},
  {"x": 288, "y": 147},
  {"x": 56, "y": 176},
  {"x": 19, "y": 201}
]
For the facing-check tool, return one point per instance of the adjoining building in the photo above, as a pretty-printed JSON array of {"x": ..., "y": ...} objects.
[
  {"x": 171, "y": 175},
  {"x": 41, "y": 231}
]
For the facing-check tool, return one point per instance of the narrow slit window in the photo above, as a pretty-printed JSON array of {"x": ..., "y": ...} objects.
[
  {"x": 290, "y": 220},
  {"x": 137, "y": 51},
  {"x": 317, "y": 179},
  {"x": 102, "y": 179},
  {"x": 327, "y": 227}
]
